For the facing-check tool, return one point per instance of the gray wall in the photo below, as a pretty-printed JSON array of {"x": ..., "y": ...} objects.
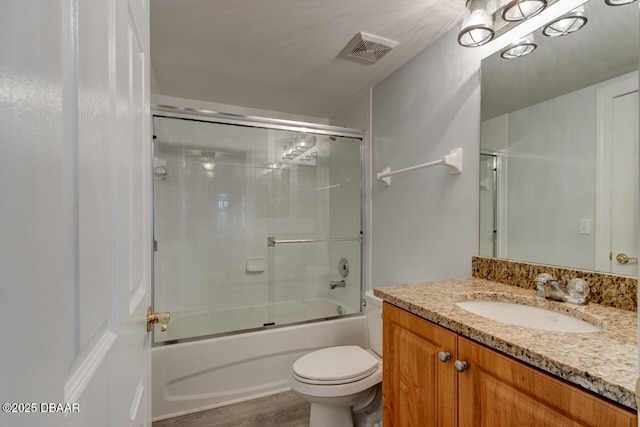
[
  {"x": 551, "y": 168},
  {"x": 425, "y": 225}
]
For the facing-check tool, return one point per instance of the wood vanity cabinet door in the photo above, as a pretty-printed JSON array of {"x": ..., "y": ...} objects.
[
  {"x": 496, "y": 390},
  {"x": 418, "y": 390}
]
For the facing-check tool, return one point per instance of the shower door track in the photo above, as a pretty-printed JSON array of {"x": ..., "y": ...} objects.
[{"x": 253, "y": 121}]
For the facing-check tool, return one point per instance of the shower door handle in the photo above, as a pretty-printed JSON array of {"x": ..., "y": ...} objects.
[
  {"x": 161, "y": 318},
  {"x": 271, "y": 241}
]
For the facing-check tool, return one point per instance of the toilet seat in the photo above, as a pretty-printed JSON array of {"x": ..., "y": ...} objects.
[{"x": 335, "y": 365}]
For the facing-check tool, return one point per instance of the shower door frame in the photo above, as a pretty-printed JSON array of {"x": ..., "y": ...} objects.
[
  {"x": 188, "y": 113},
  {"x": 495, "y": 229},
  {"x": 253, "y": 121}
]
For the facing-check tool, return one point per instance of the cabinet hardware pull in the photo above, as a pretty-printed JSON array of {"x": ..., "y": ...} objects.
[
  {"x": 460, "y": 365},
  {"x": 444, "y": 356}
]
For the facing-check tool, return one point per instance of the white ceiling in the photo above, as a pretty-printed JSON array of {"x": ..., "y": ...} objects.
[{"x": 282, "y": 55}]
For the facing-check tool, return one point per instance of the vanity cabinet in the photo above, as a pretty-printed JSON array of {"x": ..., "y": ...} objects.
[
  {"x": 417, "y": 388},
  {"x": 422, "y": 387}
]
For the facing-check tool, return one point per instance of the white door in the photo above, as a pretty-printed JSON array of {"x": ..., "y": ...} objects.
[
  {"x": 624, "y": 194},
  {"x": 617, "y": 179},
  {"x": 75, "y": 215}
]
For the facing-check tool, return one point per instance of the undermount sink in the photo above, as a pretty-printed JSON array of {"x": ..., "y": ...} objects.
[{"x": 528, "y": 316}]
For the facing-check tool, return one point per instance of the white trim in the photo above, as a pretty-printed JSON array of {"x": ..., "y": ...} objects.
[
  {"x": 604, "y": 129},
  {"x": 501, "y": 203}
]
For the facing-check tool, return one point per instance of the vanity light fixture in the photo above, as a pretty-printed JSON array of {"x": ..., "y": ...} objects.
[
  {"x": 566, "y": 24},
  {"x": 517, "y": 10},
  {"x": 618, "y": 2},
  {"x": 519, "y": 48},
  {"x": 477, "y": 27}
]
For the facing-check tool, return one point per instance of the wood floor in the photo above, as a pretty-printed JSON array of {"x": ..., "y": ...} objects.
[{"x": 278, "y": 410}]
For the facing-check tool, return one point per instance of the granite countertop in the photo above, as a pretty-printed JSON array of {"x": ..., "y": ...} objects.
[{"x": 603, "y": 362}]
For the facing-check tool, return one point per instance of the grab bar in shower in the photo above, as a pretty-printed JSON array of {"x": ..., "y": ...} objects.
[{"x": 271, "y": 241}]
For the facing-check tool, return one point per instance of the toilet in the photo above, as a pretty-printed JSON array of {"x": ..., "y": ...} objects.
[{"x": 339, "y": 381}]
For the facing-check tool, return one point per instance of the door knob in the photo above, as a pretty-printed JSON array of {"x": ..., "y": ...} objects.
[
  {"x": 161, "y": 318},
  {"x": 624, "y": 258}
]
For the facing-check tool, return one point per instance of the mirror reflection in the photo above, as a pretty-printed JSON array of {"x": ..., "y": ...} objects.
[{"x": 559, "y": 143}]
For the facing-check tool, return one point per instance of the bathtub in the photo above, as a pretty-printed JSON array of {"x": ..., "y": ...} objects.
[{"x": 197, "y": 375}]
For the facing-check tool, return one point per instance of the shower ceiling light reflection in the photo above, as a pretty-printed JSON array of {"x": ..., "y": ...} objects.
[
  {"x": 300, "y": 149},
  {"x": 208, "y": 163}
]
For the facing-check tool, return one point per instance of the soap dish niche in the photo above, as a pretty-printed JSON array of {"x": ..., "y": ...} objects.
[{"x": 256, "y": 264}]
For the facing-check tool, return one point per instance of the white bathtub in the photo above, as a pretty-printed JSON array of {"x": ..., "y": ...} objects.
[{"x": 197, "y": 375}]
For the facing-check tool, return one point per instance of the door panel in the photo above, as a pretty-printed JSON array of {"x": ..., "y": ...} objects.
[
  {"x": 617, "y": 177},
  {"x": 496, "y": 391},
  {"x": 75, "y": 253},
  {"x": 418, "y": 389},
  {"x": 94, "y": 306},
  {"x": 624, "y": 188}
]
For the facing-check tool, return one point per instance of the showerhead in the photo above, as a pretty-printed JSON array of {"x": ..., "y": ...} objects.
[{"x": 161, "y": 172}]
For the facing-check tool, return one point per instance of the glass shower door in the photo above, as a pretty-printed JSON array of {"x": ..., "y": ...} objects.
[
  {"x": 315, "y": 239},
  {"x": 253, "y": 227},
  {"x": 210, "y": 219}
]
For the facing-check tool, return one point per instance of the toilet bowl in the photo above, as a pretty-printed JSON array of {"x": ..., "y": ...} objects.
[{"x": 335, "y": 380}]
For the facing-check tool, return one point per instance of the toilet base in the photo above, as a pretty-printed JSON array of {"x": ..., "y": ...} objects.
[
  {"x": 337, "y": 411},
  {"x": 334, "y": 416}
]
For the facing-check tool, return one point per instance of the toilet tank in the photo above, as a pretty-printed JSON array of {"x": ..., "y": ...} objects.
[{"x": 373, "y": 313}]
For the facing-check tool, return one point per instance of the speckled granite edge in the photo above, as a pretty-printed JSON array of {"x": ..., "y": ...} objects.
[
  {"x": 606, "y": 289},
  {"x": 603, "y": 362}
]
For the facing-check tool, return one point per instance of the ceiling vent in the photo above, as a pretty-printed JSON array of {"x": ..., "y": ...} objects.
[{"x": 368, "y": 48}]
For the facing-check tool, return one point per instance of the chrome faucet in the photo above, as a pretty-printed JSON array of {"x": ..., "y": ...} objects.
[
  {"x": 337, "y": 284},
  {"x": 548, "y": 287}
]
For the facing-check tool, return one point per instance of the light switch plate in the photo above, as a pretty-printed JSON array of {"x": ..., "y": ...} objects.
[{"x": 585, "y": 226}]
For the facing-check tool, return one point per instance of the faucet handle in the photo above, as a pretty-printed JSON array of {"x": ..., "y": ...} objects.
[
  {"x": 578, "y": 288},
  {"x": 541, "y": 280}
]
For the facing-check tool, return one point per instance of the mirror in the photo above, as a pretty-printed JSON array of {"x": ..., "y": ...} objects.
[{"x": 559, "y": 144}]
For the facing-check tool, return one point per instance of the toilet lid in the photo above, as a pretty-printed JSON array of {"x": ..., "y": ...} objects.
[{"x": 336, "y": 364}]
